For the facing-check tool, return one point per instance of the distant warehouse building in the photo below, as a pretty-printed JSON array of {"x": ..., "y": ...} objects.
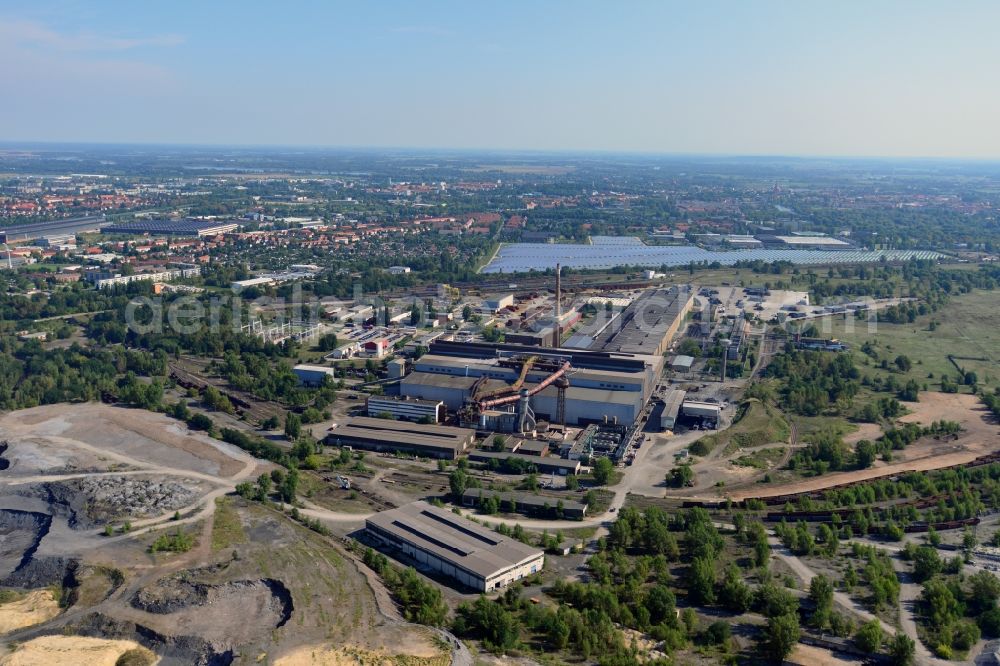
[
  {"x": 799, "y": 242},
  {"x": 671, "y": 409},
  {"x": 107, "y": 279},
  {"x": 238, "y": 285},
  {"x": 526, "y": 503},
  {"x": 602, "y": 385},
  {"x": 498, "y": 303},
  {"x": 543, "y": 464},
  {"x": 682, "y": 363},
  {"x": 409, "y": 409},
  {"x": 57, "y": 240},
  {"x": 708, "y": 412},
  {"x": 167, "y": 227},
  {"x": 312, "y": 375},
  {"x": 475, "y": 556},
  {"x": 649, "y": 324},
  {"x": 543, "y": 337},
  {"x": 21, "y": 233},
  {"x": 384, "y": 435}
]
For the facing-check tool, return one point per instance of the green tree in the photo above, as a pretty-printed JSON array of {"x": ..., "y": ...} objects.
[
  {"x": 660, "y": 603},
  {"x": 680, "y": 476},
  {"x": 985, "y": 590},
  {"x": 901, "y": 649},
  {"x": 869, "y": 637},
  {"x": 289, "y": 486},
  {"x": 458, "y": 481},
  {"x": 734, "y": 593},
  {"x": 774, "y": 600},
  {"x": 821, "y": 594},
  {"x": 422, "y": 602},
  {"x": 903, "y": 363},
  {"x": 603, "y": 468},
  {"x": 497, "y": 627},
  {"x": 865, "y": 453},
  {"x": 701, "y": 581},
  {"x": 780, "y": 636},
  {"x": 293, "y": 426},
  {"x": 263, "y": 487},
  {"x": 926, "y": 563}
]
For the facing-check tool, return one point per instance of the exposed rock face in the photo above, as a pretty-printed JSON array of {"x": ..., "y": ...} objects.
[
  {"x": 20, "y": 534},
  {"x": 173, "y": 650},
  {"x": 173, "y": 595}
]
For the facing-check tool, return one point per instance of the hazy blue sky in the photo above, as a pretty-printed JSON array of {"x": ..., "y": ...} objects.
[{"x": 798, "y": 77}]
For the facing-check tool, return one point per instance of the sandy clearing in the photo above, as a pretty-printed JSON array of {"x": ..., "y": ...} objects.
[
  {"x": 76, "y": 650},
  {"x": 35, "y": 608},
  {"x": 814, "y": 656},
  {"x": 965, "y": 408},
  {"x": 154, "y": 438},
  {"x": 869, "y": 431},
  {"x": 325, "y": 655}
]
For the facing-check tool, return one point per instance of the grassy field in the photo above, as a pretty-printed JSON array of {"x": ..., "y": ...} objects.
[
  {"x": 761, "y": 458},
  {"x": 227, "y": 530},
  {"x": 967, "y": 326},
  {"x": 807, "y": 425}
]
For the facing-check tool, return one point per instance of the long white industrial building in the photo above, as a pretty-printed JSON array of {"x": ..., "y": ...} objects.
[{"x": 475, "y": 556}]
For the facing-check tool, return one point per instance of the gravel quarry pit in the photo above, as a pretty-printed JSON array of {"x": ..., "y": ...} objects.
[
  {"x": 94, "y": 501},
  {"x": 225, "y": 615}
]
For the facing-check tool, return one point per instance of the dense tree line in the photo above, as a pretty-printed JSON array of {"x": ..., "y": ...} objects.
[
  {"x": 813, "y": 381},
  {"x": 31, "y": 376},
  {"x": 420, "y": 601}
]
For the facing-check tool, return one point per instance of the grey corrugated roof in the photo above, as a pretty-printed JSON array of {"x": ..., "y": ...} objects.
[
  {"x": 403, "y": 432},
  {"x": 454, "y": 539},
  {"x": 539, "y": 461},
  {"x": 524, "y": 499}
]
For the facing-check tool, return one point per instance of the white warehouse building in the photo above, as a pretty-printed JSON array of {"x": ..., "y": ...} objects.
[
  {"x": 441, "y": 541},
  {"x": 408, "y": 409},
  {"x": 312, "y": 375}
]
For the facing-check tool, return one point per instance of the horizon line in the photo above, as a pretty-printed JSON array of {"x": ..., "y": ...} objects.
[{"x": 487, "y": 150}]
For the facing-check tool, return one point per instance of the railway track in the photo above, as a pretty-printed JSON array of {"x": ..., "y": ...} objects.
[{"x": 246, "y": 404}]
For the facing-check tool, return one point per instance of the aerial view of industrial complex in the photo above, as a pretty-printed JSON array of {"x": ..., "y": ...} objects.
[{"x": 427, "y": 407}]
